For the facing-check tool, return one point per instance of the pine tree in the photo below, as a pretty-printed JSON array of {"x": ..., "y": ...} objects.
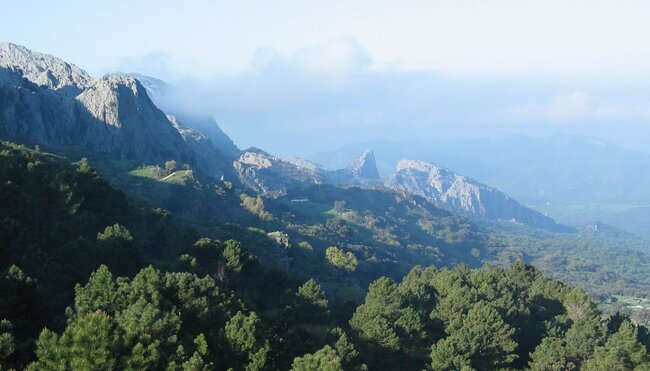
[
  {"x": 311, "y": 305},
  {"x": 484, "y": 342},
  {"x": 249, "y": 349},
  {"x": 325, "y": 359},
  {"x": 622, "y": 351}
]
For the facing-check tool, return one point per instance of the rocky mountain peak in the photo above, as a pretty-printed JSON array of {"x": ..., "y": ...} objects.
[
  {"x": 156, "y": 88},
  {"x": 456, "y": 192},
  {"x": 110, "y": 97},
  {"x": 257, "y": 158},
  {"x": 365, "y": 166},
  {"x": 56, "y": 104},
  {"x": 116, "y": 80},
  {"x": 43, "y": 69},
  {"x": 270, "y": 175},
  {"x": 422, "y": 166}
]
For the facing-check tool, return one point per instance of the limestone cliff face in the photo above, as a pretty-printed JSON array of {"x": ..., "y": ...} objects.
[
  {"x": 453, "y": 191},
  {"x": 365, "y": 166},
  {"x": 46, "y": 101},
  {"x": 34, "y": 114},
  {"x": 122, "y": 119},
  {"x": 272, "y": 176},
  {"x": 44, "y": 69},
  {"x": 361, "y": 172}
]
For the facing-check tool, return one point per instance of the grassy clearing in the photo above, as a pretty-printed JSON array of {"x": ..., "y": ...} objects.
[{"x": 152, "y": 172}]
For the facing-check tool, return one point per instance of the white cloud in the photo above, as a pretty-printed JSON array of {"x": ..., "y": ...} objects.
[
  {"x": 339, "y": 56},
  {"x": 592, "y": 39}
]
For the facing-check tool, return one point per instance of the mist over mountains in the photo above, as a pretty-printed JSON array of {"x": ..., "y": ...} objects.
[
  {"x": 574, "y": 179},
  {"x": 333, "y": 90},
  {"x": 557, "y": 168},
  {"x": 114, "y": 116}
]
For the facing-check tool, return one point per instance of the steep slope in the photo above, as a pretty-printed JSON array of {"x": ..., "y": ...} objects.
[
  {"x": 456, "y": 192},
  {"x": 49, "y": 102},
  {"x": 362, "y": 171},
  {"x": 44, "y": 70},
  {"x": 163, "y": 94},
  {"x": 208, "y": 157},
  {"x": 124, "y": 121},
  {"x": 365, "y": 166}
]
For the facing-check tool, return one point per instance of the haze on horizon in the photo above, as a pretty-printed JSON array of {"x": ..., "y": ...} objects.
[{"x": 298, "y": 77}]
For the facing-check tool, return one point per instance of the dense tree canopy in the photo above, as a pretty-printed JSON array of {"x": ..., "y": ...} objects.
[{"x": 92, "y": 280}]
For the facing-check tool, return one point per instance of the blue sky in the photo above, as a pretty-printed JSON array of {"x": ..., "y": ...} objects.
[{"x": 296, "y": 76}]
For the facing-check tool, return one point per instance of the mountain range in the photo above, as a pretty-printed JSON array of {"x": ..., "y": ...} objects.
[
  {"x": 573, "y": 179},
  {"x": 135, "y": 234},
  {"x": 49, "y": 102},
  {"x": 559, "y": 168}
]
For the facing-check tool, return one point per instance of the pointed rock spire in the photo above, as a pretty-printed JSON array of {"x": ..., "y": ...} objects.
[{"x": 365, "y": 166}]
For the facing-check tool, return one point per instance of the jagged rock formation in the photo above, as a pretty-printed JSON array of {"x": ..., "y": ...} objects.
[
  {"x": 161, "y": 94},
  {"x": 44, "y": 69},
  {"x": 46, "y": 101},
  {"x": 365, "y": 166},
  {"x": 270, "y": 175},
  {"x": 455, "y": 192},
  {"x": 123, "y": 121},
  {"x": 361, "y": 172}
]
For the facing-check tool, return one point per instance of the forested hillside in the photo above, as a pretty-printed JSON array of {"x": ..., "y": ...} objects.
[
  {"x": 389, "y": 232},
  {"x": 91, "y": 279}
]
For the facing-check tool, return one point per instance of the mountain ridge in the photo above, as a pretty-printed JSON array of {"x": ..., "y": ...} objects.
[
  {"x": 449, "y": 189},
  {"x": 50, "y": 102},
  {"x": 56, "y": 104}
]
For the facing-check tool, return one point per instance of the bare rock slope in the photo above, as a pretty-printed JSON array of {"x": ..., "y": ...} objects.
[
  {"x": 456, "y": 192},
  {"x": 46, "y": 101}
]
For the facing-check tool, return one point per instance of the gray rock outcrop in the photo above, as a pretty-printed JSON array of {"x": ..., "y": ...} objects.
[
  {"x": 361, "y": 172},
  {"x": 44, "y": 69},
  {"x": 271, "y": 175},
  {"x": 455, "y": 192},
  {"x": 46, "y": 101},
  {"x": 365, "y": 166}
]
